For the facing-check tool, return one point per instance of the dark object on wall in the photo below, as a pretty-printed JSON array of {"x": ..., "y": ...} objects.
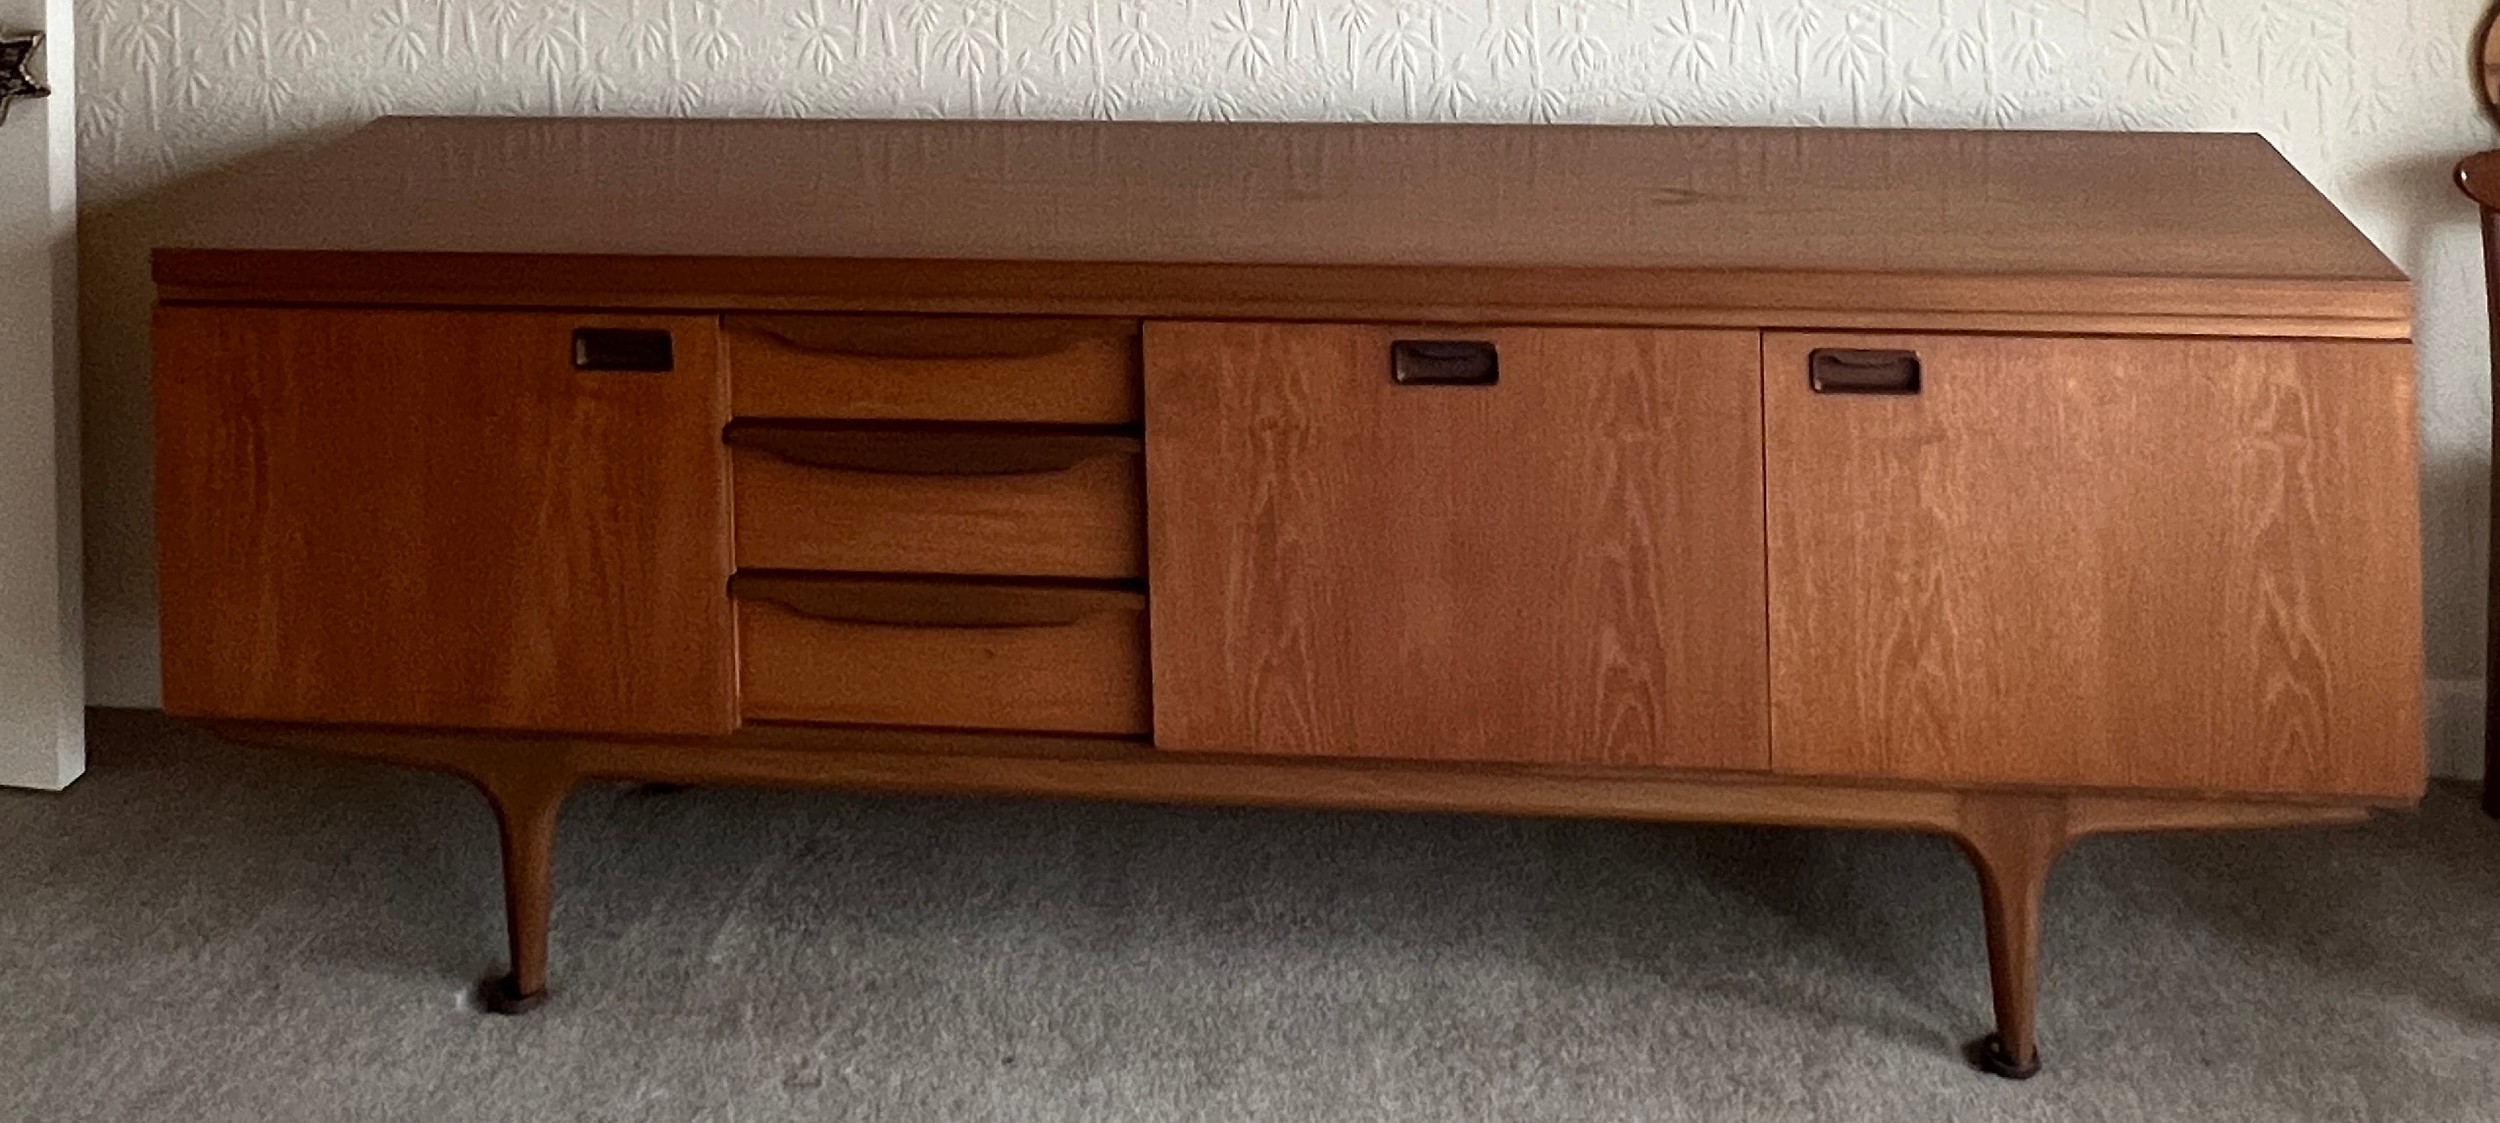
[
  {"x": 15, "y": 80},
  {"x": 2479, "y": 175}
]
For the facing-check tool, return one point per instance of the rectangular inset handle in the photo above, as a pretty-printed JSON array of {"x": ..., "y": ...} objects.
[
  {"x": 1838, "y": 371},
  {"x": 1443, "y": 362},
  {"x": 644, "y": 350}
]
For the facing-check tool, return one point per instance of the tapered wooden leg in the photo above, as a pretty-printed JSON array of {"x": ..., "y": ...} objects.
[
  {"x": 2012, "y": 842},
  {"x": 526, "y": 802}
]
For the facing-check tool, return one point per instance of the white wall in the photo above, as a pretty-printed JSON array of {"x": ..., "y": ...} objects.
[{"x": 2370, "y": 97}]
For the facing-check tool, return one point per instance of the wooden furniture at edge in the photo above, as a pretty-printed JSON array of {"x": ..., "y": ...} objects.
[
  {"x": 2012, "y": 487},
  {"x": 2479, "y": 175}
]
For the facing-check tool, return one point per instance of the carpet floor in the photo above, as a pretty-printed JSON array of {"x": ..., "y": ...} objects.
[{"x": 201, "y": 932}]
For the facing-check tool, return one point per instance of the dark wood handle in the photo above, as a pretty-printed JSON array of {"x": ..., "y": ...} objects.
[
  {"x": 1444, "y": 362},
  {"x": 934, "y": 604},
  {"x": 929, "y": 338},
  {"x": 892, "y": 453},
  {"x": 1842, "y": 371},
  {"x": 641, "y": 350}
]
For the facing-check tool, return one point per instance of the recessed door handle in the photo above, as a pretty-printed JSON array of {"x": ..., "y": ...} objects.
[
  {"x": 1444, "y": 362},
  {"x": 1844, "y": 371},
  {"x": 646, "y": 350}
]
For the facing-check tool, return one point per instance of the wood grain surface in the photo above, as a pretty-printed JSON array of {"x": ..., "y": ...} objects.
[
  {"x": 432, "y": 519},
  {"x": 933, "y": 368},
  {"x": 957, "y": 655},
  {"x": 1565, "y": 566},
  {"x": 946, "y": 762},
  {"x": 2173, "y": 232},
  {"x": 2131, "y": 563},
  {"x": 1079, "y": 514}
]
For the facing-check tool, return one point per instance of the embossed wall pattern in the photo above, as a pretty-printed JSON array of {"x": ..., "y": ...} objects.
[
  {"x": 2369, "y": 97},
  {"x": 170, "y": 81}
]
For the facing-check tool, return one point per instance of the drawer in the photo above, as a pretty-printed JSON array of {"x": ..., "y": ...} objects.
[
  {"x": 933, "y": 368},
  {"x": 945, "y": 654},
  {"x": 978, "y": 504}
]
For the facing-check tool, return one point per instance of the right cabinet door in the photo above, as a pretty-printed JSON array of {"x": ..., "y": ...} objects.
[{"x": 2147, "y": 563}]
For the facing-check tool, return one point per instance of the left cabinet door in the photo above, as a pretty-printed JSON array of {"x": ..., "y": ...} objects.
[{"x": 470, "y": 520}]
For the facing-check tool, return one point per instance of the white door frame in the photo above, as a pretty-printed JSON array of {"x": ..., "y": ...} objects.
[{"x": 43, "y": 742}]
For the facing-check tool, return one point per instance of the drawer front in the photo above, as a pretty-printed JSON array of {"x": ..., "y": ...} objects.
[
  {"x": 979, "y": 504},
  {"x": 941, "y": 654},
  {"x": 2180, "y": 564},
  {"x": 1523, "y": 545},
  {"x": 933, "y": 368}
]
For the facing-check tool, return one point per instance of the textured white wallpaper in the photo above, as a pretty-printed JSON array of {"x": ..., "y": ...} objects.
[
  {"x": 171, "y": 81},
  {"x": 2369, "y": 97}
]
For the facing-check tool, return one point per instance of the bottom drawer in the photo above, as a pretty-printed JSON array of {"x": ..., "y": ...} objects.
[{"x": 940, "y": 653}]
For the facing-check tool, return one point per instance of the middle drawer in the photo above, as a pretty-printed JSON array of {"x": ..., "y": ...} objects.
[{"x": 975, "y": 503}]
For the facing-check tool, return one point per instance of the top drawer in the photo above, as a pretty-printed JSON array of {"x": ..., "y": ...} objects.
[{"x": 933, "y": 368}]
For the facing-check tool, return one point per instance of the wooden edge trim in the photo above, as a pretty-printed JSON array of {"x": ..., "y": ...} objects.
[
  {"x": 926, "y": 603},
  {"x": 929, "y": 338},
  {"x": 2114, "y": 814},
  {"x": 2080, "y": 324},
  {"x": 1597, "y": 314},
  {"x": 1103, "y": 769},
  {"x": 921, "y": 453},
  {"x": 2360, "y": 307}
]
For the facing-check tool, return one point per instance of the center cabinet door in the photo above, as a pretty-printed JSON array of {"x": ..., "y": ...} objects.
[{"x": 1359, "y": 546}]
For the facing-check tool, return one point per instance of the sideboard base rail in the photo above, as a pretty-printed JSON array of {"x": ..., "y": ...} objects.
[{"x": 2012, "y": 837}]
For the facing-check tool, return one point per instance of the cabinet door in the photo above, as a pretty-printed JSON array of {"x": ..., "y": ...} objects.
[
  {"x": 436, "y": 519},
  {"x": 1563, "y": 566},
  {"x": 2139, "y": 563}
]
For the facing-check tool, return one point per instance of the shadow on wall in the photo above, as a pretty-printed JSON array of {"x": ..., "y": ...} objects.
[
  {"x": 116, "y": 428},
  {"x": 2456, "y": 554},
  {"x": 2456, "y": 473}
]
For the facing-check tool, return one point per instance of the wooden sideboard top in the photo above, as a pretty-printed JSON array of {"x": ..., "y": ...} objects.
[{"x": 2191, "y": 233}]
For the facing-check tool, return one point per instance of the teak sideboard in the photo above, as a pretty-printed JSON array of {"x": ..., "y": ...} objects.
[{"x": 2014, "y": 487}]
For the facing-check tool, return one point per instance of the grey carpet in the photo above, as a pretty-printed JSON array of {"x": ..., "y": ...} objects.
[{"x": 201, "y": 932}]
